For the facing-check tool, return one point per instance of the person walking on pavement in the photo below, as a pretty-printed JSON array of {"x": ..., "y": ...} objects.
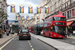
[
  {"x": 3, "y": 32},
  {"x": 7, "y": 32},
  {"x": 70, "y": 32}
]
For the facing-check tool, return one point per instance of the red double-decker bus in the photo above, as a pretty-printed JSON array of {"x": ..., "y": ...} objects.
[
  {"x": 55, "y": 26},
  {"x": 30, "y": 29}
]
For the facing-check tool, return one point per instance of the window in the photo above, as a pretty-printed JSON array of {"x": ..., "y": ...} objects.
[
  {"x": 46, "y": 21},
  {"x": 59, "y": 19},
  {"x": 45, "y": 25},
  {"x": 65, "y": 14},
  {"x": 59, "y": 23},
  {"x": 73, "y": 12},
  {"x": 25, "y": 30},
  {"x": 4, "y": 0},
  {"x": 59, "y": 29},
  {"x": 70, "y": 2},
  {"x": 40, "y": 25},
  {"x": 68, "y": 14},
  {"x": 46, "y": 29},
  {"x": 51, "y": 20}
]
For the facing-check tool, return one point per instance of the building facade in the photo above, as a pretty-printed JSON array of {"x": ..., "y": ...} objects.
[
  {"x": 42, "y": 15},
  {"x": 3, "y": 5},
  {"x": 67, "y": 7},
  {"x": 3, "y": 13}
]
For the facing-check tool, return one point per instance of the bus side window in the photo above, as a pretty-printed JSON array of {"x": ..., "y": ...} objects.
[
  {"x": 51, "y": 20},
  {"x": 52, "y": 28},
  {"x": 46, "y": 29}
]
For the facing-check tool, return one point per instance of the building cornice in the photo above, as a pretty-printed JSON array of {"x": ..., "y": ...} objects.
[{"x": 45, "y": 4}]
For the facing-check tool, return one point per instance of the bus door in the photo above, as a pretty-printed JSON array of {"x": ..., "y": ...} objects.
[{"x": 46, "y": 30}]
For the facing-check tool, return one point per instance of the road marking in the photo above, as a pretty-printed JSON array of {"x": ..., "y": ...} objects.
[
  {"x": 29, "y": 43},
  {"x": 32, "y": 48},
  {"x": 6, "y": 43}
]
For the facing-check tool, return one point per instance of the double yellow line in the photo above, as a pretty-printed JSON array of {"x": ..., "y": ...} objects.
[
  {"x": 30, "y": 45},
  {"x": 6, "y": 43}
]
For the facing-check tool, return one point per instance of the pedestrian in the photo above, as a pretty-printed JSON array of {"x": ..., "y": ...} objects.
[
  {"x": 68, "y": 33},
  {"x": 7, "y": 33},
  {"x": 71, "y": 32},
  {"x": 3, "y": 32}
]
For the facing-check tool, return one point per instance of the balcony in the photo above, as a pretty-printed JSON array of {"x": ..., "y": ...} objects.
[{"x": 69, "y": 6}]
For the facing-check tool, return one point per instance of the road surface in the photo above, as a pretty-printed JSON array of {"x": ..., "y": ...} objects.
[{"x": 32, "y": 44}]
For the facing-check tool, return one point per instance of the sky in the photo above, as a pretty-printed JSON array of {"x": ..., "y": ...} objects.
[{"x": 26, "y": 3}]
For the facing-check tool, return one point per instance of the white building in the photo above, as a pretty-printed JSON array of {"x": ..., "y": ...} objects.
[
  {"x": 3, "y": 8},
  {"x": 67, "y": 7},
  {"x": 42, "y": 15},
  {"x": 3, "y": 5}
]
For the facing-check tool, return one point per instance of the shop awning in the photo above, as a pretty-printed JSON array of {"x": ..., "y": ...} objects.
[{"x": 69, "y": 23}]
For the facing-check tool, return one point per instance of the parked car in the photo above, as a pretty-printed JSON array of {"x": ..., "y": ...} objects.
[{"x": 24, "y": 34}]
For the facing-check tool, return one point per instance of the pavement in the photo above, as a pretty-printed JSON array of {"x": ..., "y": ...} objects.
[
  {"x": 71, "y": 36},
  {"x": 59, "y": 45},
  {"x": 5, "y": 38}
]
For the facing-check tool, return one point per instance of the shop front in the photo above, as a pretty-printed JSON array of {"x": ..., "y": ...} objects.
[{"x": 71, "y": 27}]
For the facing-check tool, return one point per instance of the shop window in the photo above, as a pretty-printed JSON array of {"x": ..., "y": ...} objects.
[{"x": 73, "y": 24}]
